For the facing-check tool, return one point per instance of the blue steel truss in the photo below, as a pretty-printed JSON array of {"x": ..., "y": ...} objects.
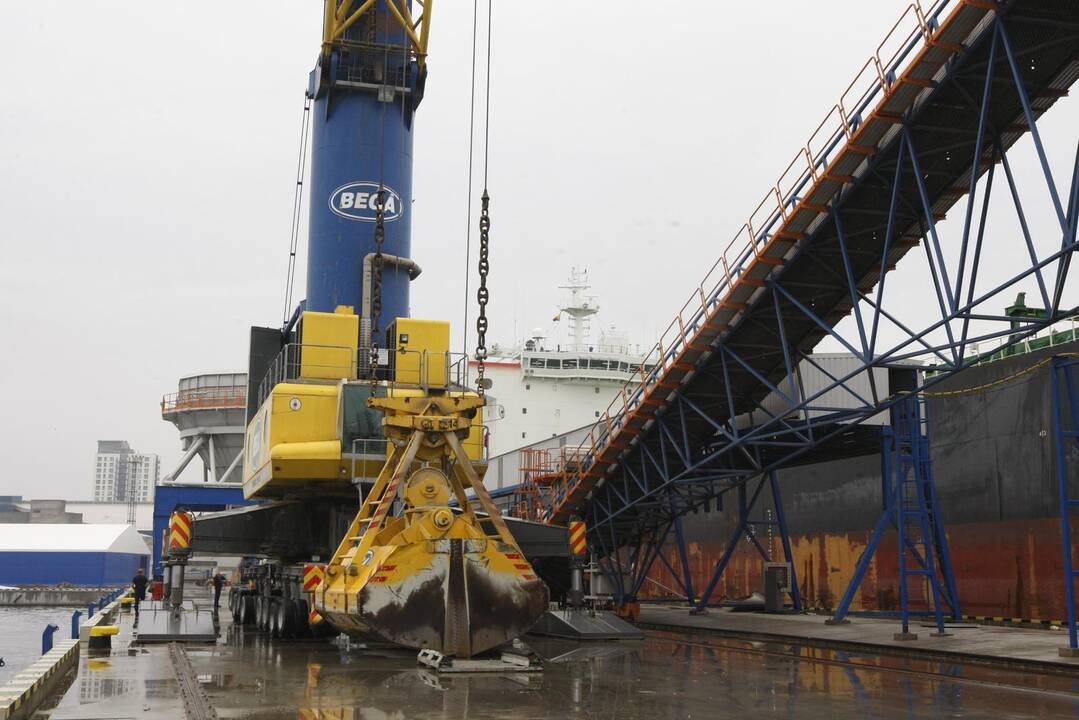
[
  {"x": 934, "y": 130},
  {"x": 1066, "y": 441},
  {"x": 909, "y": 497}
]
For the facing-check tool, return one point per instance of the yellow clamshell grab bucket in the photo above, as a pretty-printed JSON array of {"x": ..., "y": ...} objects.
[{"x": 432, "y": 575}]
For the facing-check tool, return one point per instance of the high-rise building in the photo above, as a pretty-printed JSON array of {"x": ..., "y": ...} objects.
[{"x": 123, "y": 475}]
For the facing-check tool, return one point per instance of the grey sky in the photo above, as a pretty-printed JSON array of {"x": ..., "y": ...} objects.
[{"x": 148, "y": 157}]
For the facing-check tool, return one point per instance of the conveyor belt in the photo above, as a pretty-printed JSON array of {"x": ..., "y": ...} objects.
[{"x": 915, "y": 81}]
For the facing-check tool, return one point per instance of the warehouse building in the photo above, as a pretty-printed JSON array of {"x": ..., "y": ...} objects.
[{"x": 93, "y": 555}]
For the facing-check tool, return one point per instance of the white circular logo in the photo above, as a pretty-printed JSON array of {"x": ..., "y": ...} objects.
[
  {"x": 294, "y": 403},
  {"x": 359, "y": 201}
]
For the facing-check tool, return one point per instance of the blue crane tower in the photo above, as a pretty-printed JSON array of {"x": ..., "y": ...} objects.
[{"x": 364, "y": 91}]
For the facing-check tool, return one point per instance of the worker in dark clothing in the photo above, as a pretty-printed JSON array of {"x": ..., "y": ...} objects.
[
  {"x": 218, "y": 581},
  {"x": 138, "y": 585}
]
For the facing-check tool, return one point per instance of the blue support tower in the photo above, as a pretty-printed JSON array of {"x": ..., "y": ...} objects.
[
  {"x": 364, "y": 91},
  {"x": 1066, "y": 440},
  {"x": 909, "y": 497}
]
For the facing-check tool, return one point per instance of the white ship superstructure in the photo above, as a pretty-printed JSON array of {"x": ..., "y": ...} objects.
[{"x": 542, "y": 389}]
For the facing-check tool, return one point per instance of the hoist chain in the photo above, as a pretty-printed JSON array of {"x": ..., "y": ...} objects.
[
  {"x": 483, "y": 294},
  {"x": 376, "y": 280}
]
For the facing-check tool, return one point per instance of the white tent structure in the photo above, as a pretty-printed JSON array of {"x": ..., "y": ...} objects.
[{"x": 76, "y": 554}]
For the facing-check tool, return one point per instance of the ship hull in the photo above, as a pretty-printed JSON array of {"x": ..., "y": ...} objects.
[{"x": 996, "y": 473}]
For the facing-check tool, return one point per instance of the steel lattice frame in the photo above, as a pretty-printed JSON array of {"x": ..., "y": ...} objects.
[
  {"x": 1065, "y": 437},
  {"x": 953, "y": 144}
]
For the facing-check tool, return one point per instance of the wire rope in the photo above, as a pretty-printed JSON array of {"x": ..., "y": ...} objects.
[
  {"x": 471, "y": 156},
  {"x": 483, "y": 295},
  {"x": 297, "y": 202}
]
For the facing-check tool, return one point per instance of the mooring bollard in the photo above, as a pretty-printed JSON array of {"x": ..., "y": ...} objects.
[
  {"x": 75, "y": 624},
  {"x": 101, "y": 636},
  {"x": 46, "y": 637}
]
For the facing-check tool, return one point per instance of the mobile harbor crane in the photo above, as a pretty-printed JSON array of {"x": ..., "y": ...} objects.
[{"x": 363, "y": 439}]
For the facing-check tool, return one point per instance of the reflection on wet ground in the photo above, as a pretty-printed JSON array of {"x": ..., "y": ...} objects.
[{"x": 667, "y": 675}]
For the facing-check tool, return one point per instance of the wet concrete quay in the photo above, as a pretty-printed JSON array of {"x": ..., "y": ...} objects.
[
  {"x": 1036, "y": 650},
  {"x": 667, "y": 675}
]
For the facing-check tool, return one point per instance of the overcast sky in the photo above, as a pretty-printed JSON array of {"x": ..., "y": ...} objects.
[{"x": 148, "y": 159}]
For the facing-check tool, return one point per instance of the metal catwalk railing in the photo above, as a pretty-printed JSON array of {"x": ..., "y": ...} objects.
[
  {"x": 204, "y": 399},
  {"x": 333, "y": 362}
]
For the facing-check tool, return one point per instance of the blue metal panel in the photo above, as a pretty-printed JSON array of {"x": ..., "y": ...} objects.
[
  {"x": 77, "y": 568},
  {"x": 357, "y": 142},
  {"x": 199, "y": 498},
  {"x": 119, "y": 568},
  {"x": 364, "y": 103}
]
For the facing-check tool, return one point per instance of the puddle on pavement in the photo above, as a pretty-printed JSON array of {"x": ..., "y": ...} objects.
[{"x": 666, "y": 675}]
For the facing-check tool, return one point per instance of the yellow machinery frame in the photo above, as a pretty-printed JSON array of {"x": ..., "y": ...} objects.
[
  {"x": 382, "y": 562},
  {"x": 340, "y": 15},
  {"x": 422, "y": 428}
]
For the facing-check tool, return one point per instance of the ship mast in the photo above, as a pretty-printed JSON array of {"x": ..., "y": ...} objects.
[{"x": 579, "y": 308}]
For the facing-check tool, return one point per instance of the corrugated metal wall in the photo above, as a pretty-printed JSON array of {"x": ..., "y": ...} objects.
[{"x": 76, "y": 568}]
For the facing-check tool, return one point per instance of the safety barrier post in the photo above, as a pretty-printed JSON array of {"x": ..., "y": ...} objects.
[
  {"x": 46, "y": 637},
  {"x": 75, "y": 624},
  {"x": 90, "y": 610}
]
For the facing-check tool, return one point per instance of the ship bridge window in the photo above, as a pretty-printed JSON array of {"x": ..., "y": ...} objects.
[
  {"x": 524, "y": 411},
  {"x": 569, "y": 364},
  {"x": 535, "y": 362}
]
